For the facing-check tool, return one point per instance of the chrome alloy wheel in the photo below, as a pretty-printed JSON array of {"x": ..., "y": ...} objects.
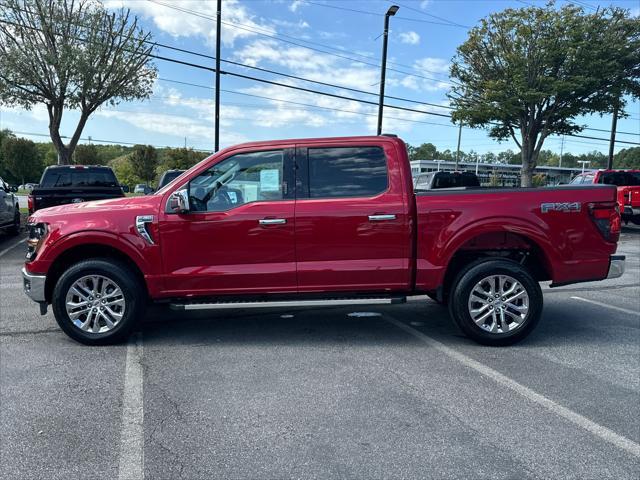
[
  {"x": 498, "y": 304},
  {"x": 95, "y": 303}
]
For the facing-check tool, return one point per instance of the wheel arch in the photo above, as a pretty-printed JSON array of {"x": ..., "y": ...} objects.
[{"x": 86, "y": 251}]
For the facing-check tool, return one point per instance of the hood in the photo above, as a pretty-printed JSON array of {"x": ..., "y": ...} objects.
[{"x": 147, "y": 203}]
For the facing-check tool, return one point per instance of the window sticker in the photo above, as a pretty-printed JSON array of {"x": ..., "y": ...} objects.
[{"x": 270, "y": 180}]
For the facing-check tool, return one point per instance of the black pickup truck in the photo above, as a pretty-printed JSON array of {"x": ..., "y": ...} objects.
[{"x": 62, "y": 184}]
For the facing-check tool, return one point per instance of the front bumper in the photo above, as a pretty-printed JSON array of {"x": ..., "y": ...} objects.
[
  {"x": 34, "y": 286},
  {"x": 616, "y": 266}
]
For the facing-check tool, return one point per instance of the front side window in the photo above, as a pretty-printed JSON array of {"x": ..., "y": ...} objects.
[
  {"x": 347, "y": 172},
  {"x": 240, "y": 179}
]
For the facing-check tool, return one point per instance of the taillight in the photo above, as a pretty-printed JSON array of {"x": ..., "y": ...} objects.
[
  {"x": 30, "y": 203},
  {"x": 606, "y": 216}
]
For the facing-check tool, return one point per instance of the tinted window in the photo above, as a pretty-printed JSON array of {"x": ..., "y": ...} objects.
[
  {"x": 169, "y": 177},
  {"x": 347, "y": 172},
  {"x": 620, "y": 179},
  {"x": 454, "y": 180},
  {"x": 78, "y": 177},
  {"x": 243, "y": 178}
]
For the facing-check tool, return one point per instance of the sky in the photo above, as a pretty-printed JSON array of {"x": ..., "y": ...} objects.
[{"x": 333, "y": 41}]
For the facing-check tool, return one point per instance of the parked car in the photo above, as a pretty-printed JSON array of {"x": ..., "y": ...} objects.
[
  {"x": 143, "y": 188},
  {"x": 628, "y": 184},
  {"x": 318, "y": 222},
  {"x": 168, "y": 177},
  {"x": 62, "y": 184},
  {"x": 428, "y": 181},
  {"x": 9, "y": 209}
]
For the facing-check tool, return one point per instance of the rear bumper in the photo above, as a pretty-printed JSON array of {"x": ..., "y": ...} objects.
[
  {"x": 616, "y": 266},
  {"x": 33, "y": 286}
]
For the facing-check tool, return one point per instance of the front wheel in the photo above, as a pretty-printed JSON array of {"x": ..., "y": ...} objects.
[
  {"x": 496, "y": 302},
  {"x": 98, "y": 301}
]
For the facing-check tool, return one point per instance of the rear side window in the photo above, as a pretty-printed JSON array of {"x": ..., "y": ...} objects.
[
  {"x": 78, "y": 177},
  {"x": 576, "y": 180},
  {"x": 620, "y": 179},
  {"x": 347, "y": 172}
]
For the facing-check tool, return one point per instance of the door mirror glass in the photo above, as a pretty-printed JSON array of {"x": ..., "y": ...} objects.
[{"x": 178, "y": 202}]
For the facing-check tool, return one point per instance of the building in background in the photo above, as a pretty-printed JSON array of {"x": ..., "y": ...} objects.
[{"x": 496, "y": 174}]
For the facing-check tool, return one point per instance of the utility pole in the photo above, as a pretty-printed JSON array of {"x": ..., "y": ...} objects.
[
  {"x": 561, "y": 151},
  {"x": 217, "y": 106},
  {"x": 612, "y": 141},
  {"x": 383, "y": 68},
  {"x": 458, "y": 149}
]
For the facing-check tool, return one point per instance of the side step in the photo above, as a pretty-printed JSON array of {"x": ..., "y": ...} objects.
[{"x": 288, "y": 303}]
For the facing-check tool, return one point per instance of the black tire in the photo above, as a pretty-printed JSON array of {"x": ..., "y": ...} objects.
[
  {"x": 132, "y": 290},
  {"x": 474, "y": 273},
  {"x": 15, "y": 228}
]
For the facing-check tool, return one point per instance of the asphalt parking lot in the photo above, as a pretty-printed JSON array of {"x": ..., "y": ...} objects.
[{"x": 366, "y": 392}]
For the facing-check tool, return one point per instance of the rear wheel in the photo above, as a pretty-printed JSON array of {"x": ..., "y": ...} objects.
[
  {"x": 496, "y": 302},
  {"x": 98, "y": 301}
]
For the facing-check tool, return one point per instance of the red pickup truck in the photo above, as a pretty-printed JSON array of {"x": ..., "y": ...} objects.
[
  {"x": 628, "y": 184},
  {"x": 318, "y": 222}
]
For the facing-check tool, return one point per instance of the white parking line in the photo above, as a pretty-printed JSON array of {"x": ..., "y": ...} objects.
[
  {"x": 131, "y": 460},
  {"x": 11, "y": 247},
  {"x": 599, "y": 431},
  {"x": 612, "y": 307}
]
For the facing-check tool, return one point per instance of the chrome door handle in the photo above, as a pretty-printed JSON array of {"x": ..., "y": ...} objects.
[
  {"x": 381, "y": 218},
  {"x": 273, "y": 221}
]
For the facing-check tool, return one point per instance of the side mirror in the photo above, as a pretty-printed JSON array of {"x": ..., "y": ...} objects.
[
  {"x": 178, "y": 202},
  {"x": 14, "y": 188},
  {"x": 125, "y": 188}
]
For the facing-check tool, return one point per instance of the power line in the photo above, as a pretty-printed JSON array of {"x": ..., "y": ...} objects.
[
  {"x": 253, "y": 30},
  {"x": 343, "y": 97}
]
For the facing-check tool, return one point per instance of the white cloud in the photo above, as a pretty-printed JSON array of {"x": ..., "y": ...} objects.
[
  {"x": 432, "y": 65},
  {"x": 295, "y": 5},
  {"x": 410, "y": 38},
  {"x": 185, "y": 24},
  {"x": 424, "y": 4}
]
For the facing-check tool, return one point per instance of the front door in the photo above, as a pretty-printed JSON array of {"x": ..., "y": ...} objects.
[{"x": 238, "y": 237}]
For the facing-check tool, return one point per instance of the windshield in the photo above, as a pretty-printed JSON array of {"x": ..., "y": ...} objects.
[{"x": 78, "y": 177}]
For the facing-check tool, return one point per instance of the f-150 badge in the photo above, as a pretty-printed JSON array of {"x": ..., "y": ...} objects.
[{"x": 560, "y": 207}]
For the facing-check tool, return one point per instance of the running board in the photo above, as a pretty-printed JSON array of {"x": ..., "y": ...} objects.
[{"x": 288, "y": 303}]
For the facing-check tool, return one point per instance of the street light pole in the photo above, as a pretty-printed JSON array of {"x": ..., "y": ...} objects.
[
  {"x": 584, "y": 162},
  {"x": 217, "y": 106},
  {"x": 458, "y": 149},
  {"x": 383, "y": 69}
]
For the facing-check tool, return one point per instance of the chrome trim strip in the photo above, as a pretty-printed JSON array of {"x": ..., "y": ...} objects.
[
  {"x": 272, "y": 221},
  {"x": 283, "y": 303},
  {"x": 381, "y": 218},
  {"x": 141, "y": 227}
]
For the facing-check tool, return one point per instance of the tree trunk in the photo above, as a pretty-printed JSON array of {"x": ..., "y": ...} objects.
[{"x": 528, "y": 164}]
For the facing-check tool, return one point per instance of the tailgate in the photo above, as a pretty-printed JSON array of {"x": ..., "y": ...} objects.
[
  {"x": 52, "y": 197},
  {"x": 629, "y": 196}
]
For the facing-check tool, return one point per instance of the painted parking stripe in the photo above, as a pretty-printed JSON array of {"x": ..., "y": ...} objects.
[
  {"x": 599, "y": 431},
  {"x": 11, "y": 247},
  {"x": 612, "y": 307},
  {"x": 131, "y": 460}
]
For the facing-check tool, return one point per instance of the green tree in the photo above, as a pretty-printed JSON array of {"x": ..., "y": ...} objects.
[
  {"x": 527, "y": 73},
  {"x": 426, "y": 151},
  {"x": 628, "y": 158},
  {"x": 86, "y": 155},
  {"x": 124, "y": 171},
  {"x": 144, "y": 161},
  {"x": 71, "y": 54},
  {"x": 179, "y": 158},
  {"x": 4, "y": 135},
  {"x": 21, "y": 159}
]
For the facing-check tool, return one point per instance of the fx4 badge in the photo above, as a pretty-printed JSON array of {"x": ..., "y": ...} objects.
[{"x": 560, "y": 207}]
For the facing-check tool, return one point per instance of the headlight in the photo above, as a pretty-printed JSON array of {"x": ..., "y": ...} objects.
[{"x": 37, "y": 233}]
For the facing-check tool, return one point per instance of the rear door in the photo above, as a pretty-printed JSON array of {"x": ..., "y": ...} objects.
[
  {"x": 352, "y": 223},
  {"x": 6, "y": 203}
]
